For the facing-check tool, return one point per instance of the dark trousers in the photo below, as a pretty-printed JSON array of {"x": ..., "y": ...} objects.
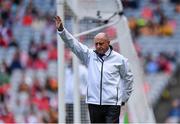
[{"x": 104, "y": 113}]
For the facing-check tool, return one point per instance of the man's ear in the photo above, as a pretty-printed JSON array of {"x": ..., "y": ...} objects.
[{"x": 108, "y": 42}]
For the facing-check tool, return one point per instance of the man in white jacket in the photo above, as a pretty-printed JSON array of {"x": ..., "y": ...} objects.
[{"x": 109, "y": 76}]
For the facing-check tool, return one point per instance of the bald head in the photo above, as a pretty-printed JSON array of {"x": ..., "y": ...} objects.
[
  {"x": 102, "y": 42},
  {"x": 102, "y": 36}
]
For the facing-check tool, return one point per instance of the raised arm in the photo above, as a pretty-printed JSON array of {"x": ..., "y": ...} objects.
[{"x": 81, "y": 51}]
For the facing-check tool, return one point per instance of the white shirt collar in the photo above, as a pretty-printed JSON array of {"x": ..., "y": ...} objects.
[{"x": 108, "y": 52}]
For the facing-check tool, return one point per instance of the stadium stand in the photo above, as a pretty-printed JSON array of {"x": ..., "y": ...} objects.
[
  {"x": 28, "y": 57},
  {"x": 155, "y": 29}
]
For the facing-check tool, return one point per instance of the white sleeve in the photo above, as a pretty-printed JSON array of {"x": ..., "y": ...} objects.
[
  {"x": 80, "y": 50},
  {"x": 127, "y": 80},
  {"x": 83, "y": 74}
]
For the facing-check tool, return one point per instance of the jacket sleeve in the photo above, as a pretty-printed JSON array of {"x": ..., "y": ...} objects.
[
  {"x": 80, "y": 50},
  {"x": 127, "y": 80}
]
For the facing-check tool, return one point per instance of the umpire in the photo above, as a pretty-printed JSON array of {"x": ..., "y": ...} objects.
[{"x": 109, "y": 76}]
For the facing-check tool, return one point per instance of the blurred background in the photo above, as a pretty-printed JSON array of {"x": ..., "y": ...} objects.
[{"x": 28, "y": 56}]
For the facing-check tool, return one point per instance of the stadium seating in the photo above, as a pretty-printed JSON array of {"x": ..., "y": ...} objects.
[{"x": 42, "y": 11}]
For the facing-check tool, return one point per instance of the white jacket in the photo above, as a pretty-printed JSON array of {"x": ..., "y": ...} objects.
[{"x": 109, "y": 79}]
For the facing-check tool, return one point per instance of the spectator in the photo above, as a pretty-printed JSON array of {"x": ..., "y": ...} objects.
[
  {"x": 37, "y": 63},
  {"x": 51, "y": 84},
  {"x": 33, "y": 49},
  {"x": 164, "y": 64},
  {"x": 52, "y": 51},
  {"x": 3, "y": 42},
  {"x": 13, "y": 43},
  {"x": 151, "y": 66},
  {"x": 16, "y": 62},
  {"x": 42, "y": 46},
  {"x": 174, "y": 113}
]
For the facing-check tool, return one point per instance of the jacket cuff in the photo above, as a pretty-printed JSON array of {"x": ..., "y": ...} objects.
[
  {"x": 60, "y": 31},
  {"x": 122, "y": 103}
]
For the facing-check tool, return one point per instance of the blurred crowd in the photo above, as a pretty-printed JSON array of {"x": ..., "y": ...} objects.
[
  {"x": 26, "y": 99},
  {"x": 164, "y": 62},
  {"x": 28, "y": 80},
  {"x": 151, "y": 21},
  {"x": 156, "y": 20}
]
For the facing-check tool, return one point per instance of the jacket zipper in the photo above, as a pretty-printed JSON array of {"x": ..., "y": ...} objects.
[
  {"x": 101, "y": 81},
  {"x": 117, "y": 96}
]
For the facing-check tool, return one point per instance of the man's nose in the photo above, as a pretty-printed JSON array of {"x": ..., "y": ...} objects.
[{"x": 98, "y": 46}]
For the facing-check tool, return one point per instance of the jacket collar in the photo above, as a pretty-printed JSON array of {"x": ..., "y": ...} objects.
[{"x": 108, "y": 52}]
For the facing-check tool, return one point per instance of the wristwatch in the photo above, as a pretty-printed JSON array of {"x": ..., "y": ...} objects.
[{"x": 60, "y": 27}]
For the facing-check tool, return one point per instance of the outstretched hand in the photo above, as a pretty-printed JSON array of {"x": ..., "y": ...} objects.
[{"x": 59, "y": 24}]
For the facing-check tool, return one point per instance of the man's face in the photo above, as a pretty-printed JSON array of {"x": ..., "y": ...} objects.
[{"x": 101, "y": 44}]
